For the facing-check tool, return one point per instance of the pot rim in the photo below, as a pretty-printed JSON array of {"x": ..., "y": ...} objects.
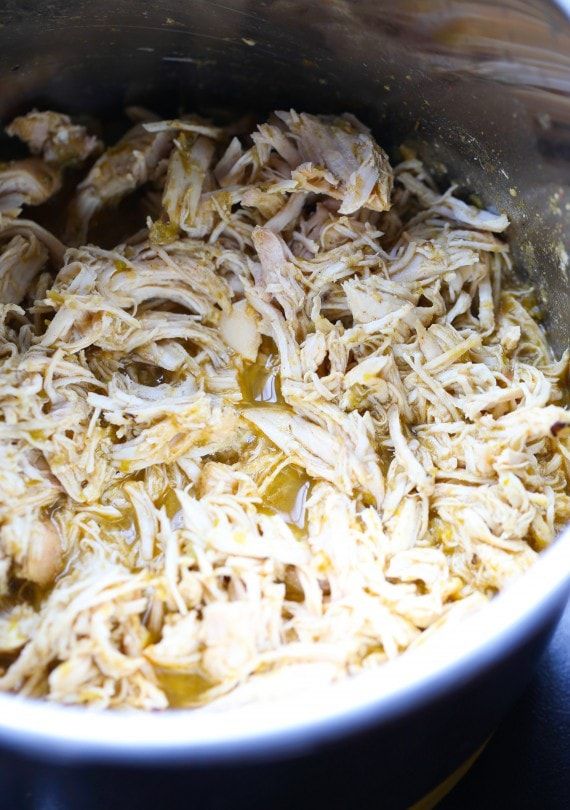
[{"x": 303, "y": 720}]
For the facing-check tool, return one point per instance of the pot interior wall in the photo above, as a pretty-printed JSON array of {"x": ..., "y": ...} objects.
[{"x": 479, "y": 89}]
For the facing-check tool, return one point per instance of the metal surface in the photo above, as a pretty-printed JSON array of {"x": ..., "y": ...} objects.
[{"x": 482, "y": 90}]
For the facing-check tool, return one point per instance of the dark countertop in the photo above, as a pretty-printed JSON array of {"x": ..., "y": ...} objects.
[{"x": 526, "y": 764}]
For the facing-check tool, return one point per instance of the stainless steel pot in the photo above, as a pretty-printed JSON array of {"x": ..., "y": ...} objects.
[{"x": 482, "y": 91}]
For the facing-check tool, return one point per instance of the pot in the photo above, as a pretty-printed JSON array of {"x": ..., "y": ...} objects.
[{"x": 481, "y": 91}]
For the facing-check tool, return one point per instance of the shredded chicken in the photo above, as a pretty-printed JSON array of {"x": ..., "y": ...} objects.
[
  {"x": 300, "y": 418},
  {"x": 120, "y": 170},
  {"x": 26, "y": 182},
  {"x": 54, "y": 137}
]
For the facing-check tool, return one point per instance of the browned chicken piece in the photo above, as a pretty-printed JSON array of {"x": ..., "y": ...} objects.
[
  {"x": 27, "y": 182},
  {"x": 124, "y": 167},
  {"x": 53, "y": 136}
]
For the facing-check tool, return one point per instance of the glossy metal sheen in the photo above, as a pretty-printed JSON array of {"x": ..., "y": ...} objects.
[{"x": 481, "y": 89}]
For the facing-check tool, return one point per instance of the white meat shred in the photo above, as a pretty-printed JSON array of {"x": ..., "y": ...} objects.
[{"x": 301, "y": 417}]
